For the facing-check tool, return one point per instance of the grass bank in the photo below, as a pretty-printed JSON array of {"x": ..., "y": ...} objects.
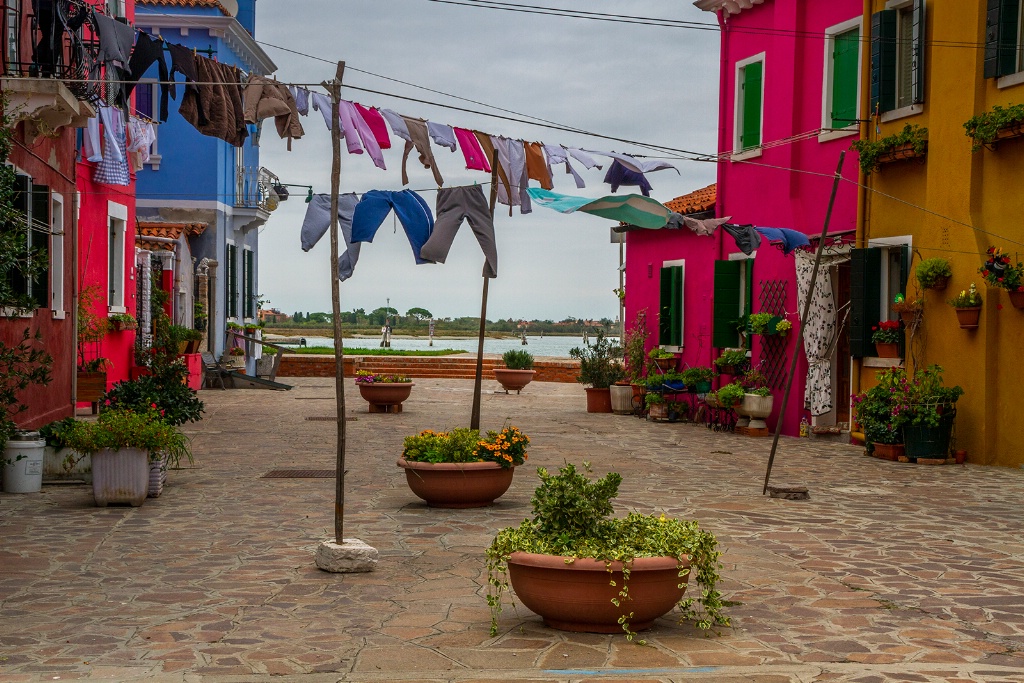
[{"x": 329, "y": 350}]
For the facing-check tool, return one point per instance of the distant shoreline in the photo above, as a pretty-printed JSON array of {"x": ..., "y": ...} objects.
[{"x": 329, "y": 332}]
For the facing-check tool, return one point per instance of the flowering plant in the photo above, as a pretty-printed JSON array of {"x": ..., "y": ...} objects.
[
  {"x": 507, "y": 447},
  {"x": 367, "y": 377},
  {"x": 999, "y": 272},
  {"x": 886, "y": 332},
  {"x": 967, "y": 298},
  {"x": 783, "y": 325},
  {"x": 117, "y": 429},
  {"x": 884, "y": 408},
  {"x": 237, "y": 351}
]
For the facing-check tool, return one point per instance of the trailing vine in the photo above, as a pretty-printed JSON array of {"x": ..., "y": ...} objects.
[
  {"x": 983, "y": 129},
  {"x": 871, "y": 151}
]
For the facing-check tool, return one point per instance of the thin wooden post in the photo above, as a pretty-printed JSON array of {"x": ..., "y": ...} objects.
[
  {"x": 803, "y": 319},
  {"x": 474, "y": 420},
  {"x": 339, "y": 350}
]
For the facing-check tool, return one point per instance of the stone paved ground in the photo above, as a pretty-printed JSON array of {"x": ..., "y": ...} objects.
[{"x": 890, "y": 572}]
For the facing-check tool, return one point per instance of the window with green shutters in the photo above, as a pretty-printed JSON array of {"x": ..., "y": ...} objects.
[
  {"x": 748, "y": 106},
  {"x": 877, "y": 275},
  {"x": 670, "y": 318},
  {"x": 248, "y": 284},
  {"x": 732, "y": 296},
  {"x": 1003, "y": 49},
  {"x": 39, "y": 243},
  {"x": 845, "y": 66},
  {"x": 897, "y": 57},
  {"x": 231, "y": 279}
]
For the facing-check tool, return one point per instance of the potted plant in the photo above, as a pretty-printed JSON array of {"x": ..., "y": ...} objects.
[
  {"x": 234, "y": 357},
  {"x": 730, "y": 395},
  {"x": 933, "y": 273},
  {"x": 59, "y": 461},
  {"x": 999, "y": 272},
  {"x": 458, "y": 468},
  {"x": 633, "y": 345},
  {"x": 600, "y": 368},
  {"x": 910, "y": 142},
  {"x": 122, "y": 321},
  {"x": 759, "y": 323},
  {"x": 782, "y": 327},
  {"x": 1001, "y": 123},
  {"x": 932, "y": 409},
  {"x": 92, "y": 327},
  {"x": 581, "y": 569},
  {"x": 757, "y": 398},
  {"x": 384, "y": 392},
  {"x": 662, "y": 359},
  {"x": 656, "y": 407},
  {"x": 731, "y": 361},
  {"x": 909, "y": 311},
  {"x": 968, "y": 307},
  {"x": 518, "y": 370},
  {"x": 123, "y": 443},
  {"x": 698, "y": 379},
  {"x": 250, "y": 328},
  {"x": 886, "y": 337},
  {"x": 881, "y": 411}
]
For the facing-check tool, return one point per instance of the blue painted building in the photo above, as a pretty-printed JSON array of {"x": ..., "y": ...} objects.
[{"x": 193, "y": 179}]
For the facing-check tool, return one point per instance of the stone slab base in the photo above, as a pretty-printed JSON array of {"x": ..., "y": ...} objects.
[
  {"x": 385, "y": 408},
  {"x": 351, "y": 556},
  {"x": 789, "y": 492}
]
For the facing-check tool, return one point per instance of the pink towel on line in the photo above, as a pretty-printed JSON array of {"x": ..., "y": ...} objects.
[
  {"x": 476, "y": 160},
  {"x": 376, "y": 123}
]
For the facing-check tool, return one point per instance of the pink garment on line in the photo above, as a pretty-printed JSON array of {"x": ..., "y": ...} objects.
[
  {"x": 376, "y": 123},
  {"x": 476, "y": 160},
  {"x": 356, "y": 130}
]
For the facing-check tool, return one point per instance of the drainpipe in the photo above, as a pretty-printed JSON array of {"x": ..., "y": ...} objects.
[
  {"x": 74, "y": 300},
  {"x": 723, "y": 145},
  {"x": 862, "y": 179}
]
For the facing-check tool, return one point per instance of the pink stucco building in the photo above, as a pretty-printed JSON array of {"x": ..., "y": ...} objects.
[{"x": 788, "y": 105}]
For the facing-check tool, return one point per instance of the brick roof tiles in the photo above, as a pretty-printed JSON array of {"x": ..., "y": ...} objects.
[
  {"x": 695, "y": 202},
  {"x": 187, "y": 3}
]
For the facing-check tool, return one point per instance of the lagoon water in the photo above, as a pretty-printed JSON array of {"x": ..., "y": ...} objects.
[{"x": 538, "y": 346}]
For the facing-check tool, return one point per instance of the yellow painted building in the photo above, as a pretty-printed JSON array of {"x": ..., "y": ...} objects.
[{"x": 935, "y": 64}]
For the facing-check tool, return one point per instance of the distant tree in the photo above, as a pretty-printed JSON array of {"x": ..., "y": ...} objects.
[
  {"x": 297, "y": 318},
  {"x": 378, "y": 315},
  {"x": 419, "y": 313},
  {"x": 319, "y": 318}
]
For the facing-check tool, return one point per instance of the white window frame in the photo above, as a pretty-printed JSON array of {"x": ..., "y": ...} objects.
[
  {"x": 740, "y": 256},
  {"x": 682, "y": 305},
  {"x": 239, "y": 312},
  {"x": 117, "y": 227},
  {"x": 57, "y": 255},
  {"x": 154, "y": 149},
  {"x": 831, "y": 32},
  {"x": 885, "y": 293},
  {"x": 738, "y": 153}
]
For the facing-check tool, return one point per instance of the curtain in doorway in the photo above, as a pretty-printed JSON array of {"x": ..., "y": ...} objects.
[
  {"x": 183, "y": 284},
  {"x": 820, "y": 331}
]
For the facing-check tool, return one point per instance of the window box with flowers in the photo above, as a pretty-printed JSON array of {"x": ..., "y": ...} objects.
[
  {"x": 968, "y": 307},
  {"x": 461, "y": 469},
  {"x": 886, "y": 336},
  {"x": 909, "y": 143},
  {"x": 999, "y": 272},
  {"x": 123, "y": 321}
]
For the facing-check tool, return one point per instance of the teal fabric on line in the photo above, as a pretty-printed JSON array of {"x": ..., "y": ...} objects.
[{"x": 632, "y": 209}]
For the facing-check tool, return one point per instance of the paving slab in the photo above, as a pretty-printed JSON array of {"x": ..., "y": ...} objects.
[{"x": 890, "y": 572}]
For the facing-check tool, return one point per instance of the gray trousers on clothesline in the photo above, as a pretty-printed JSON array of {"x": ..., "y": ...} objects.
[
  {"x": 318, "y": 220},
  {"x": 453, "y": 205}
]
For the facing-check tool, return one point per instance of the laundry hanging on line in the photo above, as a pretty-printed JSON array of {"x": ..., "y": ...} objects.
[
  {"x": 632, "y": 209},
  {"x": 412, "y": 211},
  {"x": 703, "y": 227},
  {"x": 318, "y": 220},
  {"x": 746, "y": 237},
  {"x": 619, "y": 175},
  {"x": 791, "y": 239},
  {"x": 455, "y": 204}
]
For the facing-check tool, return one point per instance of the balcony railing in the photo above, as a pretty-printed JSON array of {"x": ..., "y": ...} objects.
[{"x": 252, "y": 188}]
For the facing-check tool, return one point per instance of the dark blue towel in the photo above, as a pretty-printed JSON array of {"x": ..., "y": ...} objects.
[
  {"x": 620, "y": 175},
  {"x": 791, "y": 239}
]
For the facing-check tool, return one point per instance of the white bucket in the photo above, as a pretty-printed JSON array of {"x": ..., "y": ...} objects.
[{"x": 23, "y": 469}]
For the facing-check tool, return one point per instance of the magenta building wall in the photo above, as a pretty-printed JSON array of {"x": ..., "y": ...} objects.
[{"x": 776, "y": 189}]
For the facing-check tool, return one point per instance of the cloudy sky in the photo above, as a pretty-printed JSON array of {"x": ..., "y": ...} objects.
[{"x": 647, "y": 83}]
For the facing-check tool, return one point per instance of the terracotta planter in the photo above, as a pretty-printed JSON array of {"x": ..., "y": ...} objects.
[
  {"x": 578, "y": 596},
  {"x": 909, "y": 317},
  {"x": 385, "y": 393},
  {"x": 727, "y": 369},
  {"x": 904, "y": 151},
  {"x": 1017, "y": 299},
  {"x": 665, "y": 364},
  {"x": 887, "y": 350},
  {"x": 939, "y": 284},
  {"x": 888, "y": 451},
  {"x": 457, "y": 485},
  {"x": 513, "y": 380},
  {"x": 120, "y": 476},
  {"x": 622, "y": 399},
  {"x": 960, "y": 457},
  {"x": 968, "y": 317},
  {"x": 599, "y": 400}
]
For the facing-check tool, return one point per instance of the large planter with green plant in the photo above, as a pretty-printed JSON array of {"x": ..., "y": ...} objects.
[
  {"x": 600, "y": 367},
  {"x": 459, "y": 469},
  {"x": 581, "y": 569},
  {"x": 929, "y": 408},
  {"x": 698, "y": 379},
  {"x": 880, "y": 413},
  {"x": 60, "y": 463},
  {"x": 633, "y": 345},
  {"x": 518, "y": 370}
]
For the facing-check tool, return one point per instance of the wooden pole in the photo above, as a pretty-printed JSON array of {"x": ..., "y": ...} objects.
[
  {"x": 474, "y": 420},
  {"x": 803, "y": 319},
  {"x": 339, "y": 351}
]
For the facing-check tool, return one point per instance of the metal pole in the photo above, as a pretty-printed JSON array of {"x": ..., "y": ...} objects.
[
  {"x": 474, "y": 420},
  {"x": 339, "y": 352},
  {"x": 803, "y": 319}
]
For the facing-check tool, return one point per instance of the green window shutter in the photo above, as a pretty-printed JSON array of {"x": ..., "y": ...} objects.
[
  {"x": 845, "y": 58},
  {"x": 232, "y": 282},
  {"x": 18, "y": 222},
  {"x": 917, "y": 78},
  {"x": 750, "y": 131},
  {"x": 865, "y": 291},
  {"x": 728, "y": 285},
  {"x": 883, "y": 61},
  {"x": 1009, "y": 16},
  {"x": 747, "y": 269},
  {"x": 670, "y": 320},
  {"x": 250, "y": 285},
  {"x": 992, "y": 38},
  {"x": 39, "y": 243}
]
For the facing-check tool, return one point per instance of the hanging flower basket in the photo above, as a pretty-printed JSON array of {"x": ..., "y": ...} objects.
[
  {"x": 968, "y": 317},
  {"x": 904, "y": 151},
  {"x": 1017, "y": 299}
]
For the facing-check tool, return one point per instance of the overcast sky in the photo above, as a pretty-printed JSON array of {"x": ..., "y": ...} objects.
[{"x": 646, "y": 83}]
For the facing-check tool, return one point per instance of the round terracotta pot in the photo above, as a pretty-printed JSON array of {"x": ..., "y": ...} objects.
[
  {"x": 968, "y": 317},
  {"x": 1017, "y": 299},
  {"x": 887, "y": 350},
  {"x": 578, "y": 596},
  {"x": 513, "y": 380},
  {"x": 599, "y": 400},
  {"x": 457, "y": 484},
  {"x": 386, "y": 393}
]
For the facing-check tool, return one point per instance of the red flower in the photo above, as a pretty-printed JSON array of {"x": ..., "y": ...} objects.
[
  {"x": 999, "y": 307},
  {"x": 874, "y": 327},
  {"x": 152, "y": 405},
  {"x": 999, "y": 279}
]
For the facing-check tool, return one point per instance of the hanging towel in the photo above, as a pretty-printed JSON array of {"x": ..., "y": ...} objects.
[
  {"x": 476, "y": 159},
  {"x": 411, "y": 209},
  {"x": 537, "y": 166},
  {"x": 791, "y": 239},
  {"x": 633, "y": 209},
  {"x": 420, "y": 139},
  {"x": 584, "y": 158},
  {"x": 265, "y": 98},
  {"x": 113, "y": 168},
  {"x": 518, "y": 174},
  {"x": 636, "y": 165},
  {"x": 397, "y": 123},
  {"x": 318, "y": 221},
  {"x": 441, "y": 134},
  {"x": 147, "y": 51},
  {"x": 322, "y": 103},
  {"x": 705, "y": 227},
  {"x": 618, "y": 175},
  {"x": 747, "y": 239},
  {"x": 358, "y": 134},
  {"x": 301, "y": 97},
  {"x": 375, "y": 122},
  {"x": 92, "y": 144},
  {"x": 455, "y": 204},
  {"x": 556, "y": 154}
]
